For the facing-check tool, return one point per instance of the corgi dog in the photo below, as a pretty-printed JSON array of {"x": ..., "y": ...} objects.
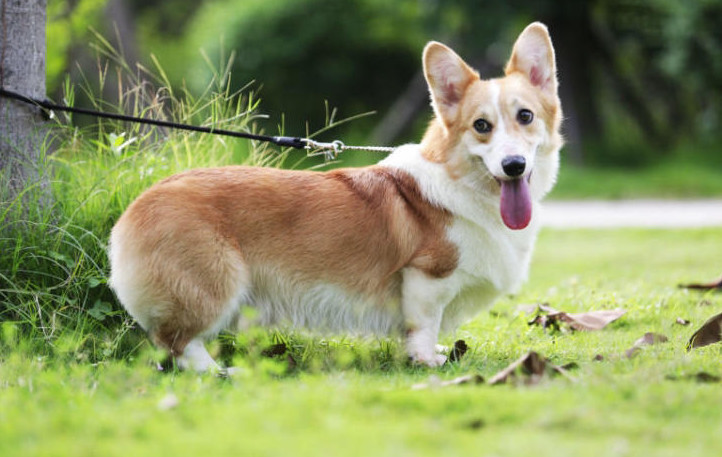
[{"x": 412, "y": 246}]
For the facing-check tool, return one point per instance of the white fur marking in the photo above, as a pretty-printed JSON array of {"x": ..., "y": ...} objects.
[
  {"x": 423, "y": 303},
  {"x": 196, "y": 357},
  {"x": 493, "y": 259},
  {"x": 283, "y": 301}
]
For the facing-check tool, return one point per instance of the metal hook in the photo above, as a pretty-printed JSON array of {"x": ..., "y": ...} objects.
[{"x": 329, "y": 150}]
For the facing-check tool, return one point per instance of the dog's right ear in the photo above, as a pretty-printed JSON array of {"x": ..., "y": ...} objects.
[{"x": 448, "y": 77}]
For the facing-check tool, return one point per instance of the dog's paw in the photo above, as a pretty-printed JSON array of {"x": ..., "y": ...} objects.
[
  {"x": 228, "y": 372},
  {"x": 430, "y": 360}
]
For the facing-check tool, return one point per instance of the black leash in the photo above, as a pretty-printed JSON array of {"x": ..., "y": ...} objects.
[
  {"x": 284, "y": 141},
  {"x": 329, "y": 150}
]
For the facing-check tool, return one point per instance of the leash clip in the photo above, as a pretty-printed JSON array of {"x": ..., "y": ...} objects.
[{"x": 330, "y": 151}]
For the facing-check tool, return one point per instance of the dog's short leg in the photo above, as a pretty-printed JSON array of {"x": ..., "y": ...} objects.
[
  {"x": 423, "y": 302},
  {"x": 196, "y": 357}
]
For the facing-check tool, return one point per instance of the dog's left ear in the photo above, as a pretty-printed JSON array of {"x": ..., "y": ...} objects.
[
  {"x": 533, "y": 55},
  {"x": 448, "y": 77}
]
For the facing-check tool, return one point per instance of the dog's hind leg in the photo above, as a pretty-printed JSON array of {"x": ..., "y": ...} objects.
[
  {"x": 183, "y": 330},
  {"x": 185, "y": 298}
]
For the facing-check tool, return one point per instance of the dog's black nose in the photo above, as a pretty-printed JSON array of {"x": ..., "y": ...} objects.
[{"x": 513, "y": 165}]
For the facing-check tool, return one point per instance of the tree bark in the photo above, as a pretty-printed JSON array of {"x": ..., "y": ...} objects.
[{"x": 22, "y": 69}]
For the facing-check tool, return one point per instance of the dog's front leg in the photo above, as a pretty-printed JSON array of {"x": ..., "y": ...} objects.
[{"x": 423, "y": 301}]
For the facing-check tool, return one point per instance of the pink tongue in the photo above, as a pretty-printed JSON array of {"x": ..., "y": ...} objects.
[{"x": 515, "y": 203}]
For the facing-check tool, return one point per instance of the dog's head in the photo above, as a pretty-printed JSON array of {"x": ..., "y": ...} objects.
[{"x": 503, "y": 133}]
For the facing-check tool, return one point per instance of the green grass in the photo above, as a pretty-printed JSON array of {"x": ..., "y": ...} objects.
[
  {"x": 354, "y": 397},
  {"x": 688, "y": 171},
  {"x": 672, "y": 180}
]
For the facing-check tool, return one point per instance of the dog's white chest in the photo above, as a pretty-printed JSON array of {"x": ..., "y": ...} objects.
[
  {"x": 491, "y": 253},
  {"x": 492, "y": 261}
]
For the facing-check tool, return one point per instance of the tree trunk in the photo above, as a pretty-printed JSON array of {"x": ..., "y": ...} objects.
[
  {"x": 22, "y": 69},
  {"x": 570, "y": 28}
]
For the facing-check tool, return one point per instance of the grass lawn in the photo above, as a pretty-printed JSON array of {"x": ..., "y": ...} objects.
[
  {"x": 354, "y": 397},
  {"x": 678, "y": 178}
]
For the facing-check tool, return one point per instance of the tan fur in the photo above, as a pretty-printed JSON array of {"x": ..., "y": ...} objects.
[{"x": 197, "y": 231}]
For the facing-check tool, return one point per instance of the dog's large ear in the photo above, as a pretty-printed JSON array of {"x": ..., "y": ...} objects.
[
  {"x": 533, "y": 55},
  {"x": 448, "y": 77}
]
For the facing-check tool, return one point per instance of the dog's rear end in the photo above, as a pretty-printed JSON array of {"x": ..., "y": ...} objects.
[{"x": 423, "y": 239}]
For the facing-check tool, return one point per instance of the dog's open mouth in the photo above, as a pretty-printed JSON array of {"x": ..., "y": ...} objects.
[{"x": 515, "y": 202}]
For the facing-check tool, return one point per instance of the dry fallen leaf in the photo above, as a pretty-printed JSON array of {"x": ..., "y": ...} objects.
[
  {"x": 458, "y": 351},
  {"x": 701, "y": 376},
  {"x": 435, "y": 382},
  {"x": 528, "y": 369},
  {"x": 527, "y": 308},
  {"x": 704, "y": 286},
  {"x": 277, "y": 350},
  {"x": 709, "y": 333},
  {"x": 591, "y": 320},
  {"x": 274, "y": 350},
  {"x": 649, "y": 339},
  {"x": 475, "y": 424}
]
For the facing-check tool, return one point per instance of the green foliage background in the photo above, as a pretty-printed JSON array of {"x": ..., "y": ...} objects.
[
  {"x": 640, "y": 78},
  {"x": 68, "y": 26}
]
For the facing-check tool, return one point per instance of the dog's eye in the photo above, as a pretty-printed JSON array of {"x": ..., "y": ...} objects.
[
  {"x": 524, "y": 116},
  {"x": 482, "y": 126}
]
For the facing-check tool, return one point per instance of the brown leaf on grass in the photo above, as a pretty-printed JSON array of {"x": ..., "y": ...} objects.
[
  {"x": 475, "y": 424},
  {"x": 467, "y": 379},
  {"x": 701, "y": 376},
  {"x": 704, "y": 285},
  {"x": 458, "y": 351},
  {"x": 527, "y": 308},
  {"x": 274, "y": 350},
  {"x": 435, "y": 382},
  {"x": 546, "y": 316},
  {"x": 709, "y": 333},
  {"x": 591, "y": 320},
  {"x": 277, "y": 350},
  {"x": 649, "y": 339},
  {"x": 681, "y": 321},
  {"x": 528, "y": 369}
]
